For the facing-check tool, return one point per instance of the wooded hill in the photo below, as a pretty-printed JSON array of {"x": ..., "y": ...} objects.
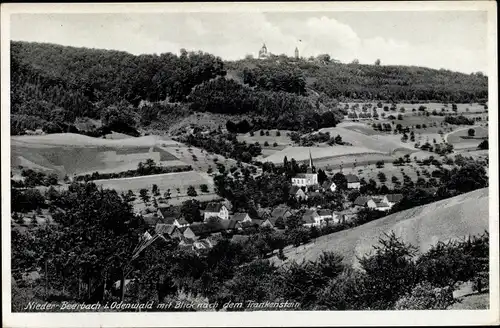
[{"x": 52, "y": 85}]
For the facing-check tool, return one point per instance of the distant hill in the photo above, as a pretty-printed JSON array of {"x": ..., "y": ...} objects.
[
  {"x": 422, "y": 226},
  {"x": 373, "y": 82},
  {"x": 53, "y": 85}
]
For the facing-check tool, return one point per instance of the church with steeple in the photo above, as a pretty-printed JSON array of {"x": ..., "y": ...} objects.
[{"x": 308, "y": 179}]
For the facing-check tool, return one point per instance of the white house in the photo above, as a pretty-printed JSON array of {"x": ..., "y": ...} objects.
[
  {"x": 326, "y": 216},
  {"x": 216, "y": 209},
  {"x": 311, "y": 218},
  {"x": 352, "y": 182},
  {"x": 378, "y": 204}
]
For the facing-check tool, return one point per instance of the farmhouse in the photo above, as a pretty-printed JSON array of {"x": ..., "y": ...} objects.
[
  {"x": 271, "y": 222},
  {"x": 376, "y": 203},
  {"x": 297, "y": 193},
  {"x": 171, "y": 215},
  {"x": 311, "y": 218},
  {"x": 353, "y": 181},
  {"x": 217, "y": 210},
  {"x": 326, "y": 216},
  {"x": 308, "y": 179},
  {"x": 280, "y": 212}
]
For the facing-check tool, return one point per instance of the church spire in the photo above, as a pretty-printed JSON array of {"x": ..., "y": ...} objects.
[{"x": 311, "y": 165}]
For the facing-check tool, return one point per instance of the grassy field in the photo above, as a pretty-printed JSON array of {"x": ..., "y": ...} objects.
[
  {"x": 198, "y": 158},
  {"x": 371, "y": 172},
  {"x": 375, "y": 142},
  {"x": 422, "y": 226},
  {"x": 68, "y": 154},
  {"x": 172, "y": 181},
  {"x": 461, "y": 135},
  {"x": 302, "y": 153}
]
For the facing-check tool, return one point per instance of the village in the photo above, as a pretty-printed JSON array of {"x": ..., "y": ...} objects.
[{"x": 219, "y": 220}]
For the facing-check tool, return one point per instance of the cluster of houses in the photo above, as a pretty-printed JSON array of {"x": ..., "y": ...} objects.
[
  {"x": 169, "y": 222},
  {"x": 379, "y": 203},
  {"x": 306, "y": 185}
]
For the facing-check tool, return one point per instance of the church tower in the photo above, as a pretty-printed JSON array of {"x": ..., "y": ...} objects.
[
  {"x": 311, "y": 168},
  {"x": 296, "y": 53}
]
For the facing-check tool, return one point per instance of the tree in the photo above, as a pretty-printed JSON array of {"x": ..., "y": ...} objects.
[
  {"x": 391, "y": 271},
  {"x": 377, "y": 62},
  {"x": 381, "y": 176},
  {"x": 190, "y": 210},
  {"x": 340, "y": 181},
  {"x": 155, "y": 190},
  {"x": 191, "y": 191},
  {"x": 380, "y": 164},
  {"x": 355, "y": 62},
  {"x": 144, "y": 195},
  {"x": 322, "y": 177},
  {"x": 471, "y": 132},
  {"x": 204, "y": 188},
  {"x": 425, "y": 296}
]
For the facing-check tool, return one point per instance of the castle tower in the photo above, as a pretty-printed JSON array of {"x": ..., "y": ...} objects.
[
  {"x": 296, "y": 53},
  {"x": 263, "y": 51}
]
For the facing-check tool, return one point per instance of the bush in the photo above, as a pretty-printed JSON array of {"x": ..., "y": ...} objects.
[
  {"x": 191, "y": 192},
  {"x": 204, "y": 188},
  {"x": 426, "y": 297}
]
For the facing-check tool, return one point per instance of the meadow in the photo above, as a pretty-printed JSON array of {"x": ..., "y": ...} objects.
[{"x": 178, "y": 183}]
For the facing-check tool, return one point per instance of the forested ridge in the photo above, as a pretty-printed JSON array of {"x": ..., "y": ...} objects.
[{"x": 53, "y": 85}]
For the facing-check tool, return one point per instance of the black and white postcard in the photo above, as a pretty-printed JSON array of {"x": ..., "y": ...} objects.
[{"x": 217, "y": 164}]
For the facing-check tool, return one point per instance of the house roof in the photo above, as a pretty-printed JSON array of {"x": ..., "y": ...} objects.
[
  {"x": 279, "y": 212},
  {"x": 361, "y": 200},
  {"x": 151, "y": 219},
  {"x": 327, "y": 184},
  {"x": 230, "y": 224},
  {"x": 300, "y": 175},
  {"x": 212, "y": 227},
  {"x": 162, "y": 228},
  {"x": 254, "y": 222},
  {"x": 239, "y": 238},
  {"x": 182, "y": 221},
  {"x": 309, "y": 215},
  {"x": 351, "y": 178},
  {"x": 214, "y": 207},
  {"x": 262, "y": 212},
  {"x": 293, "y": 190},
  {"x": 169, "y": 211},
  {"x": 324, "y": 212},
  {"x": 315, "y": 194},
  {"x": 308, "y": 219},
  {"x": 239, "y": 216},
  {"x": 394, "y": 198}
]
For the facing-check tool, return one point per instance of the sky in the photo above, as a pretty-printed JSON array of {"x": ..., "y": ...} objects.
[{"x": 455, "y": 40}]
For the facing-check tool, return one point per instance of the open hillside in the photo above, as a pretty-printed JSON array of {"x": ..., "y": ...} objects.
[{"x": 422, "y": 226}]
